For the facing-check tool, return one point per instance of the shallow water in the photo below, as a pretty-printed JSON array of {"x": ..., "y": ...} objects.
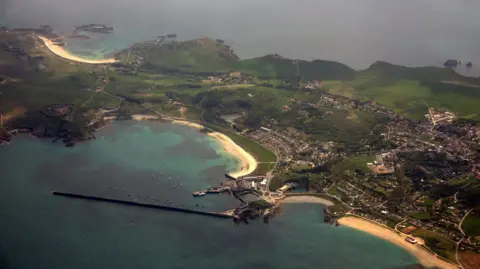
[{"x": 39, "y": 230}]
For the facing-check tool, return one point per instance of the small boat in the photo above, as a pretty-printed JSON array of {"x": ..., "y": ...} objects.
[{"x": 199, "y": 193}]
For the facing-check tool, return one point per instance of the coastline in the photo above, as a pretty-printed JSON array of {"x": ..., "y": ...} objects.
[
  {"x": 425, "y": 257},
  {"x": 188, "y": 123},
  {"x": 247, "y": 165},
  {"x": 306, "y": 199},
  {"x": 60, "y": 51}
]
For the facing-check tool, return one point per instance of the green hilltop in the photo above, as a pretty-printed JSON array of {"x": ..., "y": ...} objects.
[
  {"x": 208, "y": 56},
  {"x": 267, "y": 88},
  {"x": 406, "y": 90}
]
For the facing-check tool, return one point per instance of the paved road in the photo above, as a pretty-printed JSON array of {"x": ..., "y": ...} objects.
[{"x": 463, "y": 238}]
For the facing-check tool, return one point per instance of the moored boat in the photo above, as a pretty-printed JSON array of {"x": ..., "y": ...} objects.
[{"x": 199, "y": 193}]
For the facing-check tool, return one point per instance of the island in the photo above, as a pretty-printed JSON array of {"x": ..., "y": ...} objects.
[
  {"x": 451, "y": 63},
  {"x": 94, "y": 28},
  {"x": 389, "y": 150}
]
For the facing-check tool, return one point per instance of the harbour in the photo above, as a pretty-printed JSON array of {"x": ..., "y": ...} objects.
[{"x": 89, "y": 230}]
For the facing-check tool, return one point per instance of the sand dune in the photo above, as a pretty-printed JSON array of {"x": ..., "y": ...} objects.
[
  {"x": 425, "y": 257},
  {"x": 60, "y": 51}
]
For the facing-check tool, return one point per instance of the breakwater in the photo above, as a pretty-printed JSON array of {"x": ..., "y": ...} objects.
[{"x": 131, "y": 203}]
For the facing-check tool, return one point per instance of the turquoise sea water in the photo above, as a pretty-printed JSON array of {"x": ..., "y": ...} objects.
[{"x": 39, "y": 230}]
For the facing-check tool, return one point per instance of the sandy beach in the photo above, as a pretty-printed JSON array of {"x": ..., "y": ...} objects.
[
  {"x": 188, "y": 123},
  {"x": 425, "y": 257},
  {"x": 60, "y": 51},
  {"x": 248, "y": 164},
  {"x": 300, "y": 199},
  {"x": 144, "y": 117}
]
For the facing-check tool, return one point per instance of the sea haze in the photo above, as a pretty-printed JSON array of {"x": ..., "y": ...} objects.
[
  {"x": 126, "y": 161},
  {"x": 358, "y": 33}
]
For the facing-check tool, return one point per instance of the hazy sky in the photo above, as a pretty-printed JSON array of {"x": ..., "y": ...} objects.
[{"x": 357, "y": 32}]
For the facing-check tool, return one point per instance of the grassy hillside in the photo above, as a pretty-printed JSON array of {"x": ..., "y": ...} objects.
[
  {"x": 471, "y": 225},
  {"x": 200, "y": 55},
  {"x": 168, "y": 68},
  {"x": 206, "y": 55},
  {"x": 271, "y": 66},
  {"x": 388, "y": 71},
  {"x": 325, "y": 70},
  {"x": 410, "y": 91},
  {"x": 438, "y": 243},
  {"x": 405, "y": 90}
]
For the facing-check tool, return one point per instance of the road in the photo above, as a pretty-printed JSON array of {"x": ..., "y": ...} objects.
[{"x": 463, "y": 238}]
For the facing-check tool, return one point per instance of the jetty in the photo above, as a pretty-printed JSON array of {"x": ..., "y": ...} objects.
[{"x": 225, "y": 215}]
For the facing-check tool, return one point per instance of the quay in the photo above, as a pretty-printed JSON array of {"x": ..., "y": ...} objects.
[
  {"x": 224, "y": 215},
  {"x": 217, "y": 190}
]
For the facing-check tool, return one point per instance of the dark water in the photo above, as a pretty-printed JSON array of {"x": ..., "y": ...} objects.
[
  {"x": 358, "y": 33},
  {"x": 39, "y": 230}
]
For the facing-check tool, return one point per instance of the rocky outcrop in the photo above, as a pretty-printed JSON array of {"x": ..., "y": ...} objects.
[{"x": 451, "y": 63}]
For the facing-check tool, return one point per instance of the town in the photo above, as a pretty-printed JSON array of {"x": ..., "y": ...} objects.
[{"x": 416, "y": 176}]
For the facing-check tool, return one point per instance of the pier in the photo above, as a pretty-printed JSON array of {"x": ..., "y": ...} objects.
[{"x": 225, "y": 215}]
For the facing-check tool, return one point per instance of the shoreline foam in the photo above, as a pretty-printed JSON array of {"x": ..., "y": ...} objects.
[
  {"x": 425, "y": 257},
  {"x": 60, "y": 51}
]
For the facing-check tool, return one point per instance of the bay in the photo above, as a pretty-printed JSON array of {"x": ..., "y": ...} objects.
[{"x": 39, "y": 230}]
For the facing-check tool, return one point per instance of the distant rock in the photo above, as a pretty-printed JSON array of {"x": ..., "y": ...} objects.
[
  {"x": 469, "y": 64},
  {"x": 274, "y": 56},
  {"x": 95, "y": 28},
  {"x": 451, "y": 63}
]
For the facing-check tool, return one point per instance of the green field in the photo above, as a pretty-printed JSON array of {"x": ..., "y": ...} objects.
[
  {"x": 462, "y": 181},
  {"x": 438, "y": 243},
  {"x": 410, "y": 90},
  {"x": 471, "y": 225},
  {"x": 420, "y": 215},
  {"x": 332, "y": 190},
  {"x": 175, "y": 72}
]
